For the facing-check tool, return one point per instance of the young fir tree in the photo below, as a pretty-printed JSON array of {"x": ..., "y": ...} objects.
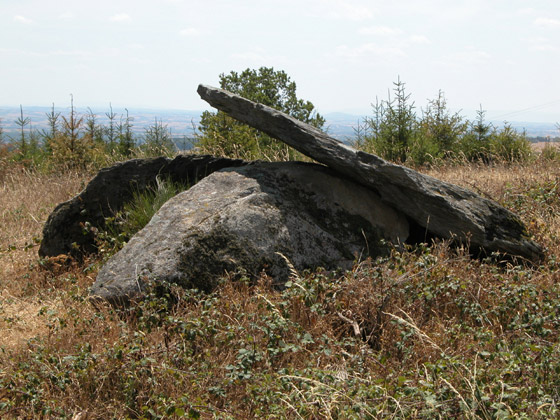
[
  {"x": 71, "y": 149},
  {"x": 111, "y": 129},
  {"x": 93, "y": 130},
  {"x": 22, "y": 143},
  {"x": 510, "y": 145},
  {"x": 391, "y": 131},
  {"x": 158, "y": 139},
  {"x": 126, "y": 140},
  {"x": 440, "y": 126},
  {"x": 49, "y": 136},
  {"x": 71, "y": 128},
  {"x": 475, "y": 144}
]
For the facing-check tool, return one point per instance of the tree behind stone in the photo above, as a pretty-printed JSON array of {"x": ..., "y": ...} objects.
[
  {"x": 22, "y": 143},
  {"x": 222, "y": 135},
  {"x": 391, "y": 131},
  {"x": 158, "y": 140},
  {"x": 71, "y": 148}
]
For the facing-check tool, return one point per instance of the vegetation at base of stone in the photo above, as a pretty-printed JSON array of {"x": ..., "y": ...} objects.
[
  {"x": 423, "y": 333},
  {"x": 135, "y": 215},
  {"x": 224, "y": 136},
  {"x": 396, "y": 133}
]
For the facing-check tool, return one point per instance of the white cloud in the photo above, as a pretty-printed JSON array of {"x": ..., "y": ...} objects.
[
  {"x": 66, "y": 16},
  {"x": 543, "y": 44},
  {"x": 20, "y": 52},
  {"x": 419, "y": 39},
  {"x": 72, "y": 53},
  {"x": 526, "y": 11},
  {"x": 547, "y": 22},
  {"x": 341, "y": 9},
  {"x": 546, "y": 48},
  {"x": 366, "y": 50},
  {"x": 380, "y": 30},
  {"x": 258, "y": 56},
  {"x": 120, "y": 17},
  {"x": 467, "y": 58},
  {"x": 22, "y": 19},
  {"x": 189, "y": 32}
]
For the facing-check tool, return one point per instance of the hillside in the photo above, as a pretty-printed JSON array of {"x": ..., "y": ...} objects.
[{"x": 425, "y": 333}]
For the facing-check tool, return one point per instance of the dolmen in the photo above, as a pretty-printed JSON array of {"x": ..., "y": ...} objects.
[{"x": 248, "y": 219}]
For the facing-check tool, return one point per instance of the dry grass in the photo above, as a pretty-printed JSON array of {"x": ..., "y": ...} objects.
[
  {"x": 530, "y": 190},
  {"x": 426, "y": 333},
  {"x": 26, "y": 200}
]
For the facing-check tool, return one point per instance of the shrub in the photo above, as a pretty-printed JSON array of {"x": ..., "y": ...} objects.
[{"x": 509, "y": 145}]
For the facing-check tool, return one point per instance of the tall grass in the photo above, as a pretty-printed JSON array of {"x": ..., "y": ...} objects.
[
  {"x": 424, "y": 333},
  {"x": 135, "y": 214}
]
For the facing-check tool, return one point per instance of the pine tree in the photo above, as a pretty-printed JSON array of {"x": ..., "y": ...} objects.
[
  {"x": 71, "y": 128},
  {"x": 53, "y": 131},
  {"x": 111, "y": 130},
  {"x": 392, "y": 130},
  {"x": 126, "y": 140},
  {"x": 440, "y": 126},
  {"x": 157, "y": 139},
  {"x": 22, "y": 122},
  {"x": 93, "y": 130},
  {"x": 475, "y": 144}
]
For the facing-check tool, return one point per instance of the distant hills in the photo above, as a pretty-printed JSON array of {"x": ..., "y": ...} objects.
[{"x": 183, "y": 123}]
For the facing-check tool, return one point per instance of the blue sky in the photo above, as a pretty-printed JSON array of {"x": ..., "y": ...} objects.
[{"x": 501, "y": 54}]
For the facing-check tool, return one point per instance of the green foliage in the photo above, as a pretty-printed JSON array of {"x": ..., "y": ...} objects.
[
  {"x": 392, "y": 129},
  {"x": 475, "y": 143},
  {"x": 397, "y": 134},
  {"x": 222, "y": 135},
  {"x": 157, "y": 140},
  {"x": 135, "y": 214},
  {"x": 424, "y": 333},
  {"x": 440, "y": 128},
  {"x": 81, "y": 142},
  {"x": 22, "y": 143},
  {"x": 50, "y": 135},
  {"x": 126, "y": 140},
  {"x": 510, "y": 145},
  {"x": 550, "y": 152}
]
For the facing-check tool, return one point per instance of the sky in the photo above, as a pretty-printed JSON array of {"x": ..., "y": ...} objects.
[{"x": 501, "y": 55}]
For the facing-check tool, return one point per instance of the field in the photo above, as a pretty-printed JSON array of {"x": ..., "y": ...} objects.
[{"x": 426, "y": 333}]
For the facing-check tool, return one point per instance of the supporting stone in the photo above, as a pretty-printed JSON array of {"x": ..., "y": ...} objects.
[{"x": 443, "y": 209}]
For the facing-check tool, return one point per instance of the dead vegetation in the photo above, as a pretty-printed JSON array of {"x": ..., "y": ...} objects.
[{"x": 425, "y": 333}]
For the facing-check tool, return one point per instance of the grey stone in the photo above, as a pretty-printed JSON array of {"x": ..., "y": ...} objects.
[
  {"x": 243, "y": 219},
  {"x": 442, "y": 209},
  {"x": 107, "y": 192}
]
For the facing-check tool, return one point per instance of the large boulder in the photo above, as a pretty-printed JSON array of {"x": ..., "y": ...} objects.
[
  {"x": 251, "y": 219},
  {"x": 442, "y": 209},
  {"x": 109, "y": 190}
]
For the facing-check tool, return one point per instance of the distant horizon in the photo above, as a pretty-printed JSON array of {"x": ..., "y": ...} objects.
[
  {"x": 342, "y": 54},
  {"x": 490, "y": 115},
  {"x": 341, "y": 125}
]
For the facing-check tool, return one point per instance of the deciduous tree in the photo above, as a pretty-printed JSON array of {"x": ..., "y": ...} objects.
[{"x": 220, "y": 134}]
